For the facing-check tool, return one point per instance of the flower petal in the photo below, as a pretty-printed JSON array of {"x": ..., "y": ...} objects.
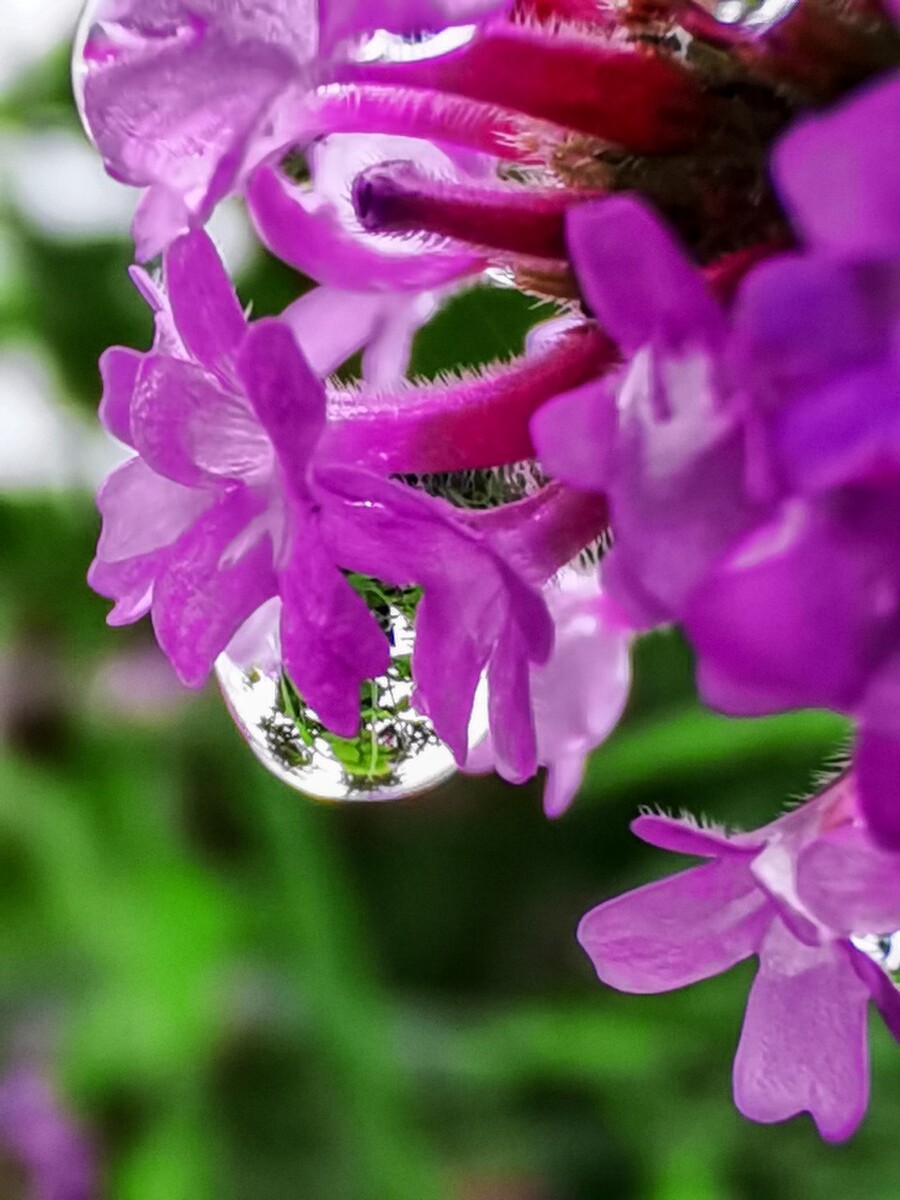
[
  {"x": 853, "y": 208},
  {"x": 201, "y": 599},
  {"x": 803, "y": 1046},
  {"x": 288, "y": 398},
  {"x": 143, "y": 512},
  {"x": 189, "y": 429},
  {"x": 792, "y": 615},
  {"x": 684, "y": 837},
  {"x": 638, "y": 283},
  {"x": 312, "y": 239},
  {"x": 677, "y": 931},
  {"x": 877, "y": 764},
  {"x": 204, "y": 305},
  {"x": 119, "y": 368},
  {"x": 849, "y": 883},
  {"x": 330, "y": 641},
  {"x": 573, "y": 434},
  {"x": 129, "y": 582}
]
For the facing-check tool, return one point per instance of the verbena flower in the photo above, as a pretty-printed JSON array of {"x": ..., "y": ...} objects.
[
  {"x": 578, "y": 695},
  {"x": 794, "y": 893},
  {"x": 235, "y": 497},
  {"x": 749, "y": 457},
  {"x": 183, "y": 99},
  {"x": 720, "y": 404}
]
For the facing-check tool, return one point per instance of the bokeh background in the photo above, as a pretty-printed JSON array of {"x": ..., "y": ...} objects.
[{"x": 239, "y": 994}]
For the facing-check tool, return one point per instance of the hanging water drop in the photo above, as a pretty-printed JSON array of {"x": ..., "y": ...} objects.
[
  {"x": 882, "y": 948},
  {"x": 396, "y": 753},
  {"x": 748, "y": 16},
  {"x": 109, "y": 30},
  {"x": 383, "y": 46}
]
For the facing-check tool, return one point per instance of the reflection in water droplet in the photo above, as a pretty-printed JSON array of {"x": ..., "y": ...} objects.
[
  {"x": 883, "y": 948},
  {"x": 396, "y": 754},
  {"x": 86, "y": 23},
  {"x": 104, "y": 35},
  {"x": 382, "y": 46},
  {"x": 749, "y": 16}
]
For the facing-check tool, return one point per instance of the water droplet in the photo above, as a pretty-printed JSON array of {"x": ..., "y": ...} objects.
[
  {"x": 396, "y": 754},
  {"x": 748, "y": 16},
  {"x": 382, "y": 46},
  {"x": 883, "y": 948},
  {"x": 109, "y": 30}
]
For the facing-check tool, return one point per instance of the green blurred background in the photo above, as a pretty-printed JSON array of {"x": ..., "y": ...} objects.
[{"x": 248, "y": 996}]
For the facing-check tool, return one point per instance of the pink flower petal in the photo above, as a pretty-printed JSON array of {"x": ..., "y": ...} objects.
[
  {"x": 330, "y": 642},
  {"x": 803, "y": 1046},
  {"x": 119, "y": 370},
  {"x": 201, "y": 599},
  {"x": 288, "y": 398},
  {"x": 849, "y": 883},
  {"x": 683, "y": 837},
  {"x": 203, "y": 301},
  {"x": 854, "y": 209},
  {"x": 877, "y": 764},
  {"x": 315, "y": 242},
  {"x": 574, "y": 433},
  {"x": 188, "y": 429},
  {"x": 639, "y": 284},
  {"x": 677, "y": 931},
  {"x": 143, "y": 512}
]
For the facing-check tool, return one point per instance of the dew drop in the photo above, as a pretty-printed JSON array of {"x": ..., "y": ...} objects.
[
  {"x": 110, "y": 30},
  {"x": 382, "y": 46},
  {"x": 882, "y": 948},
  {"x": 397, "y": 753},
  {"x": 748, "y": 16}
]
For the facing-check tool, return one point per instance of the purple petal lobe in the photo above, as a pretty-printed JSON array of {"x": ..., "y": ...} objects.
[
  {"x": 204, "y": 305},
  {"x": 854, "y": 209},
  {"x": 877, "y": 764},
  {"x": 330, "y": 641},
  {"x": 683, "y": 837},
  {"x": 190, "y": 430},
  {"x": 573, "y": 434},
  {"x": 201, "y": 599},
  {"x": 677, "y": 931},
  {"x": 288, "y": 398},
  {"x": 781, "y": 621},
  {"x": 142, "y": 511},
  {"x": 119, "y": 370},
  {"x": 849, "y": 883},
  {"x": 638, "y": 283},
  {"x": 128, "y": 582},
  {"x": 803, "y": 1046}
]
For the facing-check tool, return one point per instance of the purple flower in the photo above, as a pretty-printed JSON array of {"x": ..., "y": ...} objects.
[
  {"x": 183, "y": 99},
  {"x": 795, "y": 893},
  {"x": 811, "y": 599},
  {"x": 578, "y": 695},
  {"x": 348, "y": 18},
  {"x": 315, "y": 229},
  {"x": 44, "y": 1141},
  {"x": 752, "y": 460},
  {"x": 233, "y": 499},
  {"x": 662, "y": 438}
]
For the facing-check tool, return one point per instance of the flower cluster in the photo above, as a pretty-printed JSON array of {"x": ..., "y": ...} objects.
[{"x": 707, "y": 435}]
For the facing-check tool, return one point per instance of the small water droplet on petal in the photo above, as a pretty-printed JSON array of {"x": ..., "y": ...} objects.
[
  {"x": 382, "y": 46},
  {"x": 882, "y": 948},
  {"x": 748, "y": 16}
]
